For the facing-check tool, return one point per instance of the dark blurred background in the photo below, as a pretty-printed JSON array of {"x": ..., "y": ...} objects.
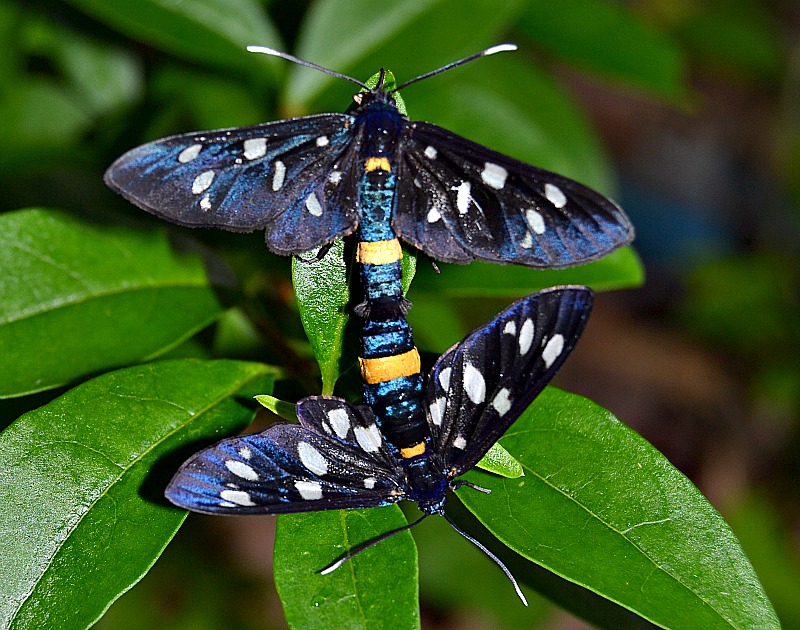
[{"x": 686, "y": 112}]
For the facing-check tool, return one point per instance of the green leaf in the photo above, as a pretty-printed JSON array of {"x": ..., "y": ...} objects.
[
  {"x": 602, "y": 508},
  {"x": 322, "y": 296},
  {"x": 82, "y": 514},
  {"x": 455, "y": 576},
  {"x": 368, "y": 25},
  {"x": 389, "y": 83},
  {"x": 77, "y": 298},
  {"x": 213, "y": 32},
  {"x": 38, "y": 114},
  {"x": 408, "y": 265},
  {"x": 621, "y": 269},
  {"x": 206, "y": 100},
  {"x": 609, "y": 38},
  {"x": 500, "y": 462},
  {"x": 281, "y": 408},
  {"x": 737, "y": 38},
  {"x": 102, "y": 77},
  {"x": 438, "y": 317},
  {"x": 376, "y": 589},
  {"x": 772, "y": 549},
  {"x": 383, "y": 33}
]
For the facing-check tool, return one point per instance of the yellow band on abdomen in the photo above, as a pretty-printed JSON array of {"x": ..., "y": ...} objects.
[
  {"x": 388, "y": 368},
  {"x": 379, "y": 252},
  {"x": 375, "y": 163},
  {"x": 411, "y": 451}
]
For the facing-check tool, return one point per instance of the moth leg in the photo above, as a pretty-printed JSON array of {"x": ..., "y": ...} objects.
[
  {"x": 462, "y": 482},
  {"x": 321, "y": 253}
]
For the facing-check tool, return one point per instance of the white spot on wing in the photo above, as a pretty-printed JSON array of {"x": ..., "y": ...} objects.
[
  {"x": 535, "y": 221},
  {"x": 279, "y": 176},
  {"x": 189, "y": 153},
  {"x": 237, "y": 497},
  {"x": 430, "y": 152},
  {"x": 501, "y": 402},
  {"x": 322, "y": 141},
  {"x": 240, "y": 469},
  {"x": 444, "y": 378},
  {"x": 436, "y": 410},
  {"x": 245, "y": 452},
  {"x": 474, "y": 384},
  {"x": 309, "y": 490},
  {"x": 312, "y": 458},
  {"x": 202, "y": 181},
  {"x": 369, "y": 483},
  {"x": 369, "y": 438},
  {"x": 527, "y": 241},
  {"x": 553, "y": 350},
  {"x": 554, "y": 194},
  {"x": 226, "y": 504},
  {"x": 494, "y": 175},
  {"x": 340, "y": 421},
  {"x": 460, "y": 442},
  {"x": 433, "y": 215},
  {"x": 205, "y": 202},
  {"x": 255, "y": 148},
  {"x": 526, "y": 336},
  {"x": 463, "y": 197},
  {"x": 510, "y": 328},
  {"x": 313, "y": 205},
  {"x": 335, "y": 177}
]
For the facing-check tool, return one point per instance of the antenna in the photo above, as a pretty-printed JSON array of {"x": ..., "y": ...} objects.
[
  {"x": 454, "y": 64},
  {"x": 277, "y": 53},
  {"x": 485, "y": 550},
  {"x": 331, "y": 568}
]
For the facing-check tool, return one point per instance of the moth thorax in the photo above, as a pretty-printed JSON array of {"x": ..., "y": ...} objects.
[{"x": 426, "y": 482}]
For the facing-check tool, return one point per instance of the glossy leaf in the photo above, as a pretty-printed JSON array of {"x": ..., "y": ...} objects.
[
  {"x": 602, "y": 508},
  {"x": 214, "y": 32},
  {"x": 619, "y": 270},
  {"x": 323, "y": 296},
  {"x": 376, "y": 589},
  {"x": 610, "y": 38},
  {"x": 280, "y": 408},
  {"x": 77, "y": 298},
  {"x": 500, "y": 462},
  {"x": 82, "y": 513},
  {"x": 320, "y": 287}
]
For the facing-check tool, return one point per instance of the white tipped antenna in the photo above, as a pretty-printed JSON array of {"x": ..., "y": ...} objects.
[
  {"x": 332, "y": 567},
  {"x": 454, "y": 64},
  {"x": 277, "y": 53},
  {"x": 497, "y": 560}
]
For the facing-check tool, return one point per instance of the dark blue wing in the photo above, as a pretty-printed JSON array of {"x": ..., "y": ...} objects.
[
  {"x": 294, "y": 468},
  {"x": 459, "y": 201},
  {"x": 481, "y": 385},
  {"x": 292, "y": 178}
]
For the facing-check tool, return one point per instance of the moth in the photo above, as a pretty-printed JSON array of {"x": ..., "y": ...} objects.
[
  {"x": 338, "y": 458},
  {"x": 307, "y": 181}
]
